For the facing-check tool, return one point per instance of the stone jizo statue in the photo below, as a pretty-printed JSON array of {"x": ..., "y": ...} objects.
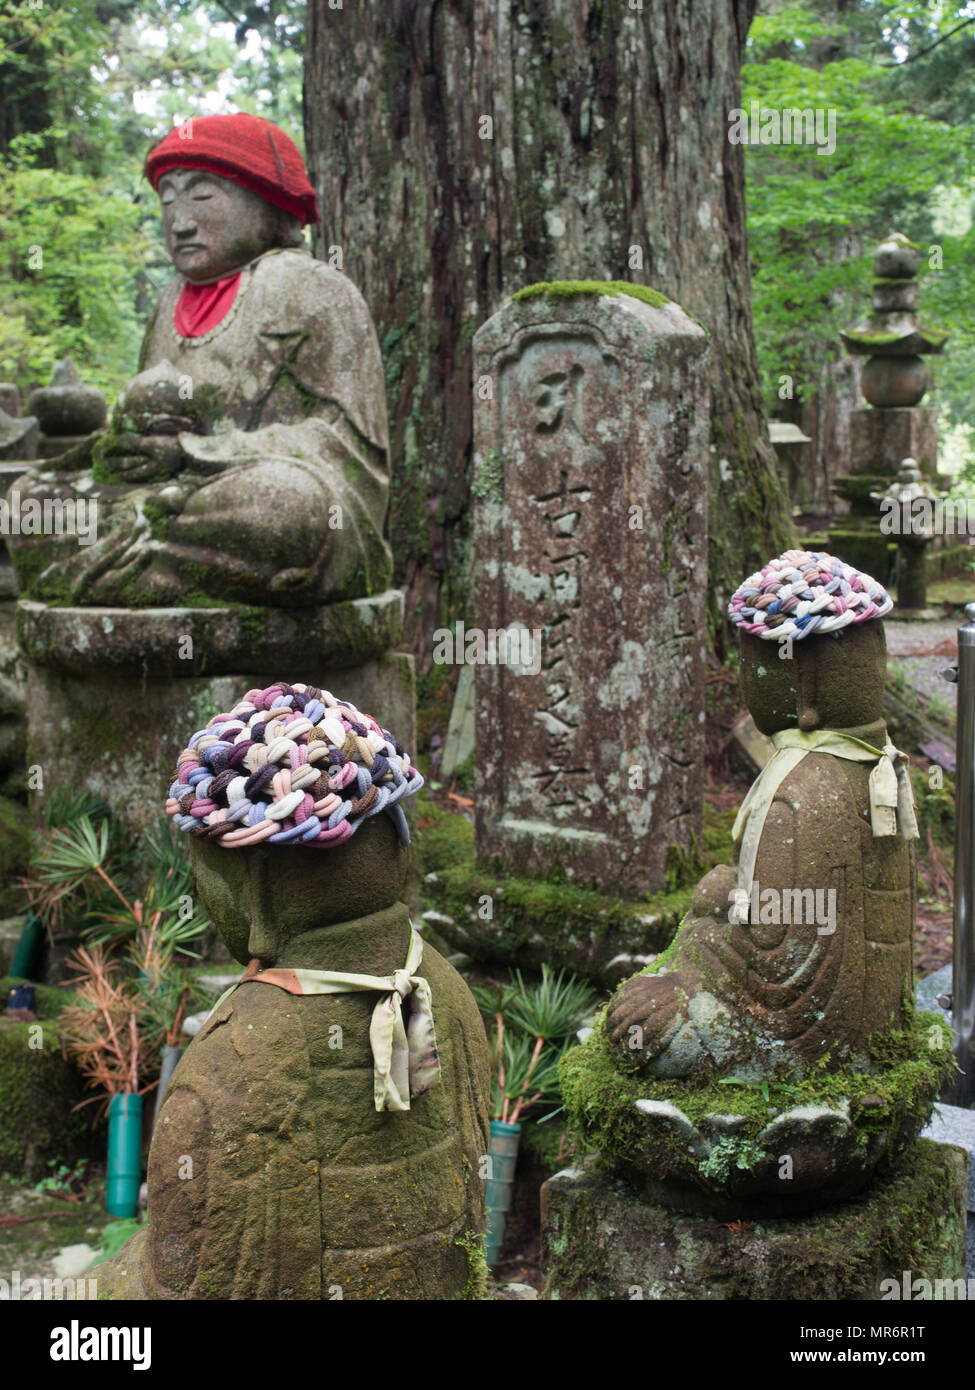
[
  {"x": 771, "y": 1060},
  {"x": 801, "y": 951},
  {"x": 323, "y": 1134},
  {"x": 248, "y": 459}
]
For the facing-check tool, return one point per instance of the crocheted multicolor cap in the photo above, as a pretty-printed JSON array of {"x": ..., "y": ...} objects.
[
  {"x": 290, "y": 765},
  {"x": 806, "y": 591}
]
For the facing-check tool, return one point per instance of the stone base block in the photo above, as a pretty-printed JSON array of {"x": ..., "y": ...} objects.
[
  {"x": 600, "y": 1241},
  {"x": 881, "y": 438},
  {"x": 499, "y": 919},
  {"x": 110, "y": 702},
  {"x": 950, "y": 1124}
]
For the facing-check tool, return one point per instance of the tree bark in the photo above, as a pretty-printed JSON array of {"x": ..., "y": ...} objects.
[{"x": 462, "y": 149}]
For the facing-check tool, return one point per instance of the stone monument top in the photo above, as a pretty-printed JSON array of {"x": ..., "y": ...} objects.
[{"x": 894, "y": 339}]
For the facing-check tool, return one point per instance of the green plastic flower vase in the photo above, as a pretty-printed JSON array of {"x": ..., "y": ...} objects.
[
  {"x": 28, "y": 951},
  {"x": 124, "y": 1155},
  {"x": 502, "y": 1157}
]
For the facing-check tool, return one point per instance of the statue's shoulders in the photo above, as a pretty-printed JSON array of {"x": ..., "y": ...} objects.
[{"x": 306, "y": 286}]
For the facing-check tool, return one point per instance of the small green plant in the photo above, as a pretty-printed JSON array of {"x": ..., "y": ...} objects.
[
  {"x": 534, "y": 1025},
  {"x": 940, "y": 710},
  {"x": 74, "y": 865},
  {"x": 477, "y": 1268},
  {"x": 115, "y": 1234},
  {"x": 63, "y": 1178}
]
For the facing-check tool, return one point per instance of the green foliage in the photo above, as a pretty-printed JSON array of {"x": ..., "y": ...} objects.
[
  {"x": 69, "y": 867},
  {"x": 71, "y": 253},
  {"x": 552, "y": 1009},
  {"x": 902, "y": 157},
  {"x": 533, "y": 1028},
  {"x": 115, "y": 1234},
  {"x": 86, "y": 86},
  {"x": 63, "y": 1176},
  {"x": 477, "y": 1267}
]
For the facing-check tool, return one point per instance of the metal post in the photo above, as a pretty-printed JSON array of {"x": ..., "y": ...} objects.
[{"x": 962, "y": 1091}]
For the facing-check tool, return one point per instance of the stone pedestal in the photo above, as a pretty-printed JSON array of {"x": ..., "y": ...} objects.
[
  {"x": 590, "y": 436},
  {"x": 601, "y": 1241},
  {"x": 879, "y": 439},
  {"x": 53, "y": 446},
  {"x": 112, "y": 692}
]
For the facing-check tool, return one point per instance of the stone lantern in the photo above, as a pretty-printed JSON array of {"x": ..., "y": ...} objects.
[{"x": 914, "y": 527}]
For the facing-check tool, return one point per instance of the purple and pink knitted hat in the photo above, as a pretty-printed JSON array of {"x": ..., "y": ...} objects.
[
  {"x": 803, "y": 592},
  {"x": 290, "y": 765}
]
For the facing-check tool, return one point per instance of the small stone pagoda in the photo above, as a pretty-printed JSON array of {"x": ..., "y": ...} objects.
[{"x": 895, "y": 425}]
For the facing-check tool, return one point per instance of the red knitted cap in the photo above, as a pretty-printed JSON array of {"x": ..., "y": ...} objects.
[{"x": 247, "y": 149}]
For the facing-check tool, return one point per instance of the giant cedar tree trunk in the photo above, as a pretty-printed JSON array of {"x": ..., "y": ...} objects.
[{"x": 608, "y": 131}]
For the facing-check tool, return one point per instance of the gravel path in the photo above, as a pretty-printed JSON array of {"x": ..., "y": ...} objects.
[{"x": 923, "y": 650}]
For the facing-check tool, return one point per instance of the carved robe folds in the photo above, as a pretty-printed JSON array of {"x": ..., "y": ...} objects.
[{"x": 248, "y": 465}]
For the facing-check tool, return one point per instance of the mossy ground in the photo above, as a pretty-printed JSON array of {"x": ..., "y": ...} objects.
[
  {"x": 47, "y": 1222},
  {"x": 38, "y": 1093}
]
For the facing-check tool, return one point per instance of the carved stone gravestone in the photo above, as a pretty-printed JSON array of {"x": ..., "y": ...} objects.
[{"x": 591, "y": 431}]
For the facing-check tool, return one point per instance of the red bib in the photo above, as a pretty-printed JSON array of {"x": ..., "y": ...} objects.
[{"x": 201, "y": 307}]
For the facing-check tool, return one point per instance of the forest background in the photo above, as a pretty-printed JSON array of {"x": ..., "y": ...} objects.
[{"x": 87, "y": 85}]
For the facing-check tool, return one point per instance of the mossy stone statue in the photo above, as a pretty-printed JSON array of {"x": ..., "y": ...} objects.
[
  {"x": 247, "y": 462},
  {"x": 273, "y": 1172},
  {"x": 780, "y": 1020}
]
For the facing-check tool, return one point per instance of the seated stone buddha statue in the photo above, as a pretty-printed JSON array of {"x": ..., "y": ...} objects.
[
  {"x": 800, "y": 953},
  {"x": 248, "y": 459}
]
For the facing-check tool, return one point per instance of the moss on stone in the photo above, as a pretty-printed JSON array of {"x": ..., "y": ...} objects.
[
  {"x": 463, "y": 774},
  {"x": 445, "y": 839},
  {"x": 935, "y": 809},
  {"x": 477, "y": 1269},
  {"x": 535, "y": 920},
  {"x": 601, "y": 1239},
  {"x": 897, "y": 1085},
  {"x": 38, "y": 1092},
  {"x": 14, "y": 855},
  {"x": 488, "y": 482},
  {"x": 870, "y": 337},
  {"x": 607, "y": 287}
]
